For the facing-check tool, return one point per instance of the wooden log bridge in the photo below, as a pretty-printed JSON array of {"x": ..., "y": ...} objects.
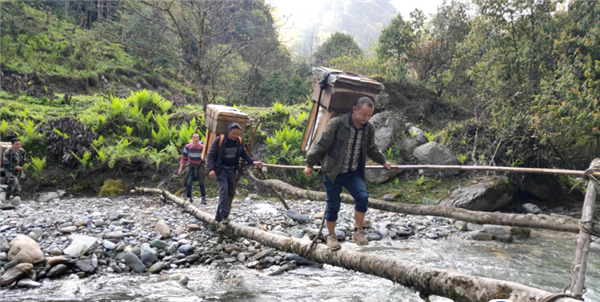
[
  {"x": 564, "y": 224},
  {"x": 426, "y": 280}
]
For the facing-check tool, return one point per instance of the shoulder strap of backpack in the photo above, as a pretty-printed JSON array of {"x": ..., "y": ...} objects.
[
  {"x": 223, "y": 137},
  {"x": 221, "y": 140}
]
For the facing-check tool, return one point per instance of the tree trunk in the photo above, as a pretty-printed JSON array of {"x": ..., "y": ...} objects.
[
  {"x": 564, "y": 224},
  {"x": 427, "y": 280}
]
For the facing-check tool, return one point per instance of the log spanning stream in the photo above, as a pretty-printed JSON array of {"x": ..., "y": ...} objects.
[{"x": 542, "y": 262}]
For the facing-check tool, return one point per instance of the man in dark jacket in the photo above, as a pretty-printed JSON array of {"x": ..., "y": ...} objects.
[
  {"x": 342, "y": 148},
  {"x": 222, "y": 162},
  {"x": 13, "y": 161}
]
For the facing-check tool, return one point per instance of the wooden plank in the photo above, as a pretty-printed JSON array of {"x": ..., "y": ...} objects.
[{"x": 308, "y": 129}]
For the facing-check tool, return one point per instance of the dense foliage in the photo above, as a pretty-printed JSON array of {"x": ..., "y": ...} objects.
[{"x": 511, "y": 82}]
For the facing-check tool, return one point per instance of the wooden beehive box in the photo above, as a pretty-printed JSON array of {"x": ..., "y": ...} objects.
[
  {"x": 343, "y": 89},
  {"x": 311, "y": 133},
  {"x": 218, "y": 117},
  {"x": 342, "y": 92}
]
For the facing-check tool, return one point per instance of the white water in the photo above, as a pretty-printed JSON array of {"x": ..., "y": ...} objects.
[{"x": 543, "y": 261}]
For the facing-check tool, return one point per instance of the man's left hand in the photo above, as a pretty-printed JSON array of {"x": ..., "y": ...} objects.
[
  {"x": 257, "y": 164},
  {"x": 19, "y": 168},
  {"x": 387, "y": 165}
]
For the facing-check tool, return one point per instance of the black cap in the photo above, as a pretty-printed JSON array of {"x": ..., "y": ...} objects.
[{"x": 233, "y": 126}]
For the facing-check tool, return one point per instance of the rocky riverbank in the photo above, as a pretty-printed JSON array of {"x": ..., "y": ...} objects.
[{"x": 57, "y": 235}]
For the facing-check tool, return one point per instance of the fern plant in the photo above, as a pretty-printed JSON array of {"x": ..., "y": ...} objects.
[
  {"x": 83, "y": 160},
  {"x": 38, "y": 165},
  {"x": 3, "y": 127}
]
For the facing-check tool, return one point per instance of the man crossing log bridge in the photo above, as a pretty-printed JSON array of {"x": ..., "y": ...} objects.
[{"x": 342, "y": 149}]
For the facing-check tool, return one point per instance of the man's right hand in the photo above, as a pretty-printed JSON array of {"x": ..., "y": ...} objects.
[
  {"x": 179, "y": 171},
  {"x": 308, "y": 172},
  {"x": 19, "y": 168},
  {"x": 212, "y": 174}
]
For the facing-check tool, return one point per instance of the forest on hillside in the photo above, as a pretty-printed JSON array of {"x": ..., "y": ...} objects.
[{"x": 513, "y": 82}]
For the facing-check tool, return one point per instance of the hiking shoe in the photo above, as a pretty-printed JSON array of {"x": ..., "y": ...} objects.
[
  {"x": 333, "y": 243},
  {"x": 191, "y": 200},
  {"x": 218, "y": 218},
  {"x": 225, "y": 220},
  {"x": 203, "y": 201},
  {"x": 359, "y": 237}
]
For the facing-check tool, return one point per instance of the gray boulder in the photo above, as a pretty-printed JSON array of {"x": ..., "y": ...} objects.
[
  {"x": 418, "y": 135},
  {"x": 25, "y": 250},
  {"x": 47, "y": 196},
  {"x": 498, "y": 232},
  {"x": 436, "y": 154},
  {"x": 407, "y": 147},
  {"x": 80, "y": 245},
  {"x": 15, "y": 273},
  {"x": 481, "y": 235},
  {"x": 134, "y": 262},
  {"x": 148, "y": 255},
  {"x": 377, "y": 176},
  {"x": 4, "y": 246},
  {"x": 156, "y": 267},
  {"x": 87, "y": 266},
  {"x": 57, "y": 271},
  {"x": 484, "y": 196},
  {"x": 531, "y": 208},
  {"x": 381, "y": 101},
  {"x": 296, "y": 216},
  {"x": 28, "y": 283},
  {"x": 551, "y": 189},
  {"x": 389, "y": 128}
]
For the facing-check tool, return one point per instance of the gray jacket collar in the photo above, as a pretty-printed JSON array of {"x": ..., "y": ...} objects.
[{"x": 347, "y": 118}]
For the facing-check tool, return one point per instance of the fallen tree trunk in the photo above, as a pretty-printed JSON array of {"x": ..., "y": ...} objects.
[
  {"x": 564, "y": 224},
  {"x": 424, "y": 279}
]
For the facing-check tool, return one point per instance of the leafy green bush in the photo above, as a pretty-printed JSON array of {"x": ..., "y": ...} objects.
[{"x": 38, "y": 165}]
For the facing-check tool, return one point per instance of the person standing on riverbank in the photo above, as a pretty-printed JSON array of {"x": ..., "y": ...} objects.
[
  {"x": 192, "y": 152},
  {"x": 222, "y": 162},
  {"x": 342, "y": 149},
  {"x": 13, "y": 160}
]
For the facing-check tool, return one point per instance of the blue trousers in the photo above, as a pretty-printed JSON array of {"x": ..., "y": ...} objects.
[{"x": 355, "y": 184}]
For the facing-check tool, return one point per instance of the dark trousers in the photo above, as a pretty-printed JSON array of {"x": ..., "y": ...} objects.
[
  {"x": 13, "y": 184},
  {"x": 190, "y": 181},
  {"x": 355, "y": 184},
  {"x": 226, "y": 182}
]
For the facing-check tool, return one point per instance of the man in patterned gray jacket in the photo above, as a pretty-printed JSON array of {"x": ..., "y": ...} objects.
[
  {"x": 343, "y": 148},
  {"x": 13, "y": 161}
]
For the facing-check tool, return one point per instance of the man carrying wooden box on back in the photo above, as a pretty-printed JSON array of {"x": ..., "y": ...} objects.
[
  {"x": 222, "y": 162},
  {"x": 342, "y": 149}
]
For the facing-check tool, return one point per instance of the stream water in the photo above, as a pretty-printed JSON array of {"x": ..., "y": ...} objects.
[{"x": 542, "y": 261}]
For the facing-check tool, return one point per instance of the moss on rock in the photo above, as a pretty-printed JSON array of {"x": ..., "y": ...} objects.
[{"x": 111, "y": 187}]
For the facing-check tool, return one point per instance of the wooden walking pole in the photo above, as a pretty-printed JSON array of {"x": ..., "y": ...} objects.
[
  {"x": 574, "y": 173},
  {"x": 585, "y": 236}
]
